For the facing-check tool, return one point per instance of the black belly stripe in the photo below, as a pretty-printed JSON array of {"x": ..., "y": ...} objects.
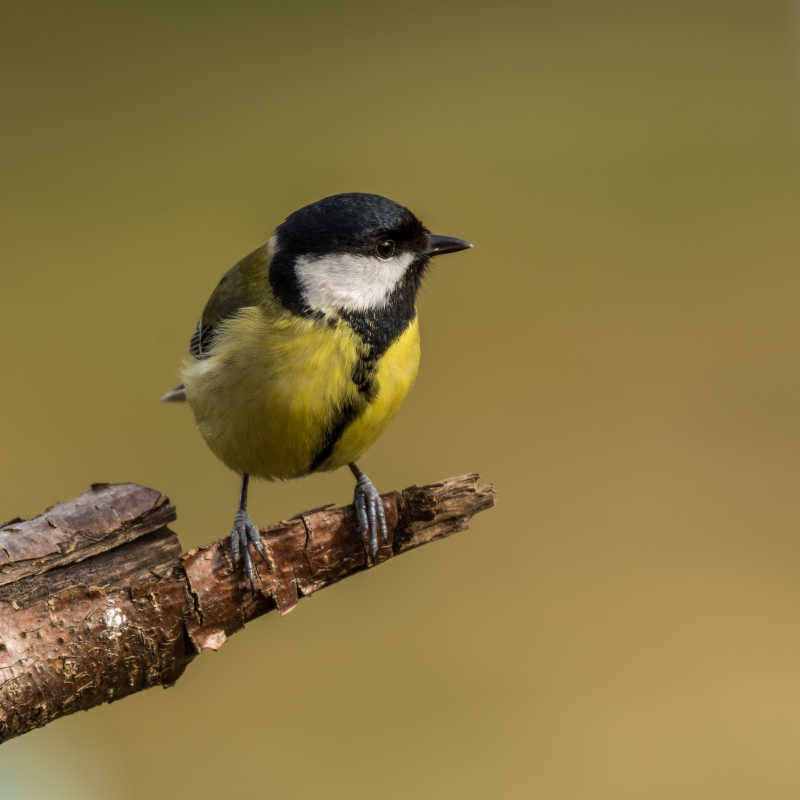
[
  {"x": 364, "y": 378},
  {"x": 347, "y": 414},
  {"x": 377, "y": 330}
]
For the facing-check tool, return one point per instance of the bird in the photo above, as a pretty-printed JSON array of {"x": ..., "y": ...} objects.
[{"x": 307, "y": 348}]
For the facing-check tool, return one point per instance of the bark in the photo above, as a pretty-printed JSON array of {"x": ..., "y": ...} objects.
[{"x": 97, "y": 601}]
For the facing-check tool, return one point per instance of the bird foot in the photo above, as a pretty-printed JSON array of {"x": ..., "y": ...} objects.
[
  {"x": 243, "y": 534},
  {"x": 369, "y": 513}
]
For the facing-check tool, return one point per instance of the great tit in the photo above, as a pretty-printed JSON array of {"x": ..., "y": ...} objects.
[{"x": 307, "y": 348}]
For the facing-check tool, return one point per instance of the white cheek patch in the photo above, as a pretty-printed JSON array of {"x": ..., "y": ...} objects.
[{"x": 342, "y": 281}]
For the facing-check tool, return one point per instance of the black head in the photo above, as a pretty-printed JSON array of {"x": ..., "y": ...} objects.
[
  {"x": 351, "y": 223},
  {"x": 357, "y": 257}
]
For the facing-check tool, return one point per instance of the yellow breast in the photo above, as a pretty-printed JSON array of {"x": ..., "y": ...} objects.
[
  {"x": 269, "y": 396},
  {"x": 396, "y": 372}
]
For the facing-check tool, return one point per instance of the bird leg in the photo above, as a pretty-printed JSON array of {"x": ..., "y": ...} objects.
[
  {"x": 243, "y": 534},
  {"x": 369, "y": 511}
]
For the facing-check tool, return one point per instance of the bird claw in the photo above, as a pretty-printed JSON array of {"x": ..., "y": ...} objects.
[
  {"x": 369, "y": 514},
  {"x": 244, "y": 534}
]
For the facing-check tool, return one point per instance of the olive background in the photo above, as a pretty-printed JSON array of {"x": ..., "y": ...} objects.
[{"x": 618, "y": 354}]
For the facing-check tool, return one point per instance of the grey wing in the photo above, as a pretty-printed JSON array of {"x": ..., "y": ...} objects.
[
  {"x": 242, "y": 285},
  {"x": 200, "y": 347},
  {"x": 202, "y": 340}
]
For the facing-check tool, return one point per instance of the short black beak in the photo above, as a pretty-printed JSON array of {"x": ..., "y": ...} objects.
[{"x": 446, "y": 244}]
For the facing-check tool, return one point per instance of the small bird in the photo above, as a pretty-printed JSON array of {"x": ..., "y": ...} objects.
[{"x": 307, "y": 348}]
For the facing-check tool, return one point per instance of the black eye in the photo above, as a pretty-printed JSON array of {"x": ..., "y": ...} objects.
[{"x": 385, "y": 249}]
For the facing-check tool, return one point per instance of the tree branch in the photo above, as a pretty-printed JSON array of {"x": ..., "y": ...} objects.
[{"x": 97, "y": 601}]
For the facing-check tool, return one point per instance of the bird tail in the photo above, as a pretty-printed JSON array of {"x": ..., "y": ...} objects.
[{"x": 176, "y": 395}]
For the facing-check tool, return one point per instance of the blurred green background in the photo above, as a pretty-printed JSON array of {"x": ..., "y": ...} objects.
[{"x": 618, "y": 354}]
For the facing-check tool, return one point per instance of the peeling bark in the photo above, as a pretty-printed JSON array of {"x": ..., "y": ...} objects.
[{"x": 97, "y": 601}]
